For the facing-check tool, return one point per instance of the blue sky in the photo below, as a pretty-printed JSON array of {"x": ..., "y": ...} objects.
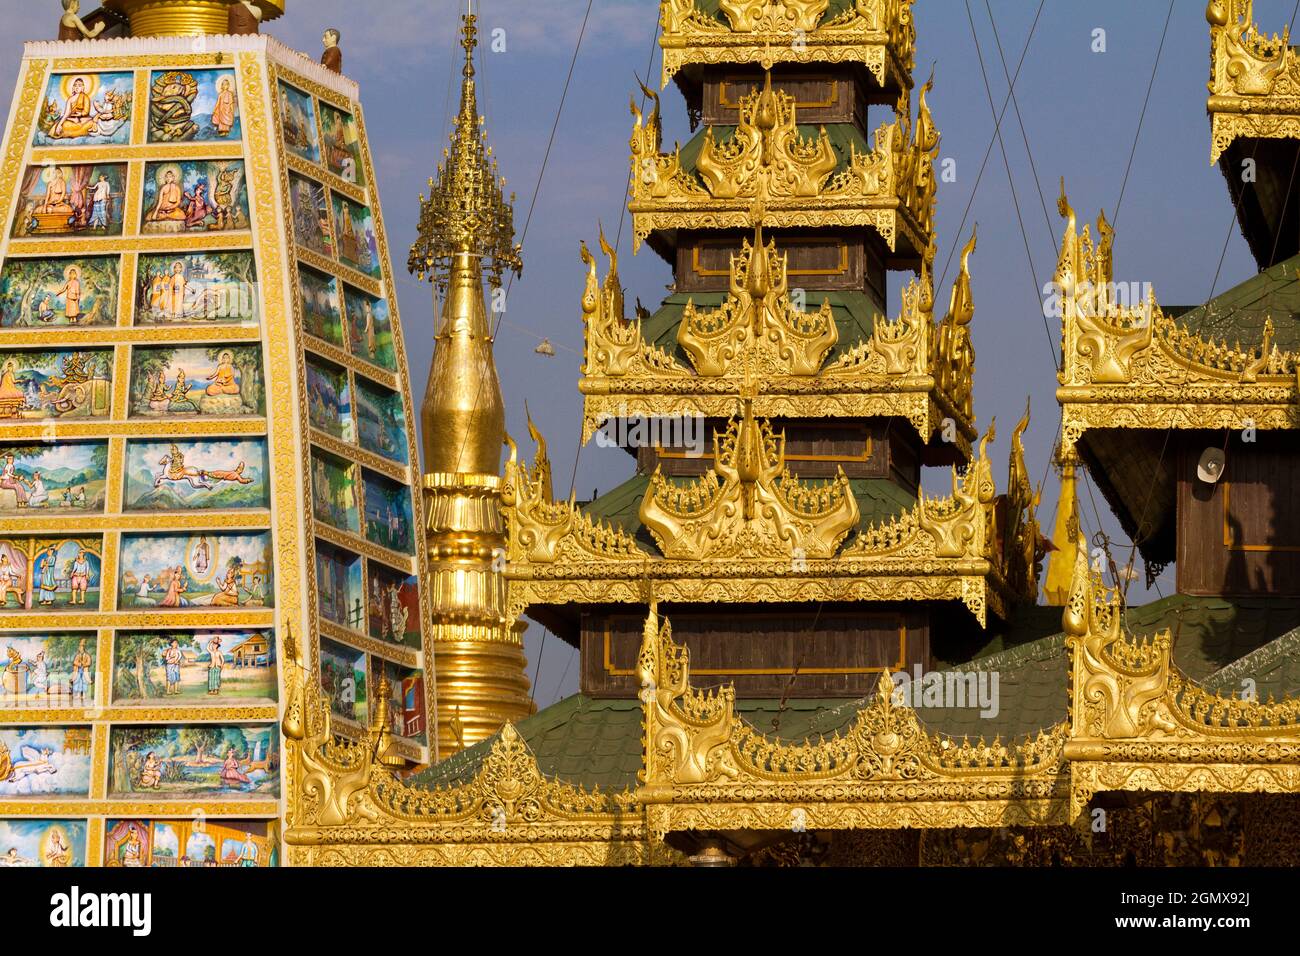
[{"x": 1080, "y": 111}]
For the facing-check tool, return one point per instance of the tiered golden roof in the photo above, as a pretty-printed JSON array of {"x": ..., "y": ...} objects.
[
  {"x": 800, "y": 182},
  {"x": 802, "y": 544},
  {"x": 878, "y": 34},
  {"x": 1254, "y": 78},
  {"x": 1126, "y": 364},
  {"x": 910, "y": 368}
]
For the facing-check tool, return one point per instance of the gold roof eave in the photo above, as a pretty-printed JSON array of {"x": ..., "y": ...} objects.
[
  {"x": 714, "y": 550},
  {"x": 184, "y": 17},
  {"x": 1128, "y": 365},
  {"x": 707, "y": 769},
  {"x": 797, "y": 182},
  {"x": 911, "y": 367},
  {"x": 878, "y": 34},
  {"x": 1254, "y": 79},
  {"x": 1137, "y": 723}
]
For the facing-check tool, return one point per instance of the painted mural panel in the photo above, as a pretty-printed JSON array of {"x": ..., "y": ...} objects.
[
  {"x": 192, "y": 474},
  {"x": 334, "y": 492},
  {"x": 343, "y": 679},
  {"x": 388, "y": 513},
  {"x": 211, "y": 842},
  {"x": 216, "y": 571},
  {"x": 44, "y": 761},
  {"x": 329, "y": 399},
  {"x": 298, "y": 117},
  {"x": 43, "y": 385},
  {"x": 339, "y": 589},
  {"x": 54, "y": 476},
  {"x": 194, "y": 195},
  {"x": 309, "y": 202},
  {"x": 358, "y": 243},
  {"x": 188, "y": 668},
  {"x": 222, "y": 381},
  {"x": 76, "y": 199},
  {"x": 406, "y": 713},
  {"x": 193, "y": 106},
  {"x": 50, "y": 574},
  {"x": 381, "y": 421},
  {"x": 207, "y": 287},
  {"x": 47, "y": 671},
  {"x": 50, "y": 293},
  {"x": 86, "y": 109},
  {"x": 370, "y": 328},
  {"x": 195, "y": 761},
  {"x": 42, "y": 843},
  {"x": 321, "y": 313},
  {"x": 394, "y": 608},
  {"x": 342, "y": 145}
]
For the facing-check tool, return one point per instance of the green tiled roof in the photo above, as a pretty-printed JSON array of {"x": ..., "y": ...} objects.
[
  {"x": 1238, "y": 315},
  {"x": 879, "y": 500},
  {"x": 1210, "y": 632},
  {"x": 597, "y": 743},
  {"x": 854, "y": 314},
  {"x": 1275, "y": 669}
]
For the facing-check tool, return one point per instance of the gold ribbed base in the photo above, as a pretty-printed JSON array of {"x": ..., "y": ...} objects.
[
  {"x": 481, "y": 685},
  {"x": 183, "y": 18}
]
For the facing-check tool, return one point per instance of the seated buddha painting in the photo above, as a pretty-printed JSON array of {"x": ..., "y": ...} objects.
[
  {"x": 86, "y": 109},
  {"x": 219, "y": 381},
  {"x": 78, "y": 199},
  {"x": 194, "y": 196}
]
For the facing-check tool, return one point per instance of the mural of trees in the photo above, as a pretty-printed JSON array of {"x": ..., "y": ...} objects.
[{"x": 25, "y": 282}]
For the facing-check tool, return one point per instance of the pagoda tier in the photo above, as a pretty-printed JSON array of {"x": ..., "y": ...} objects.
[
  {"x": 814, "y": 362},
  {"x": 748, "y": 532},
  {"x": 806, "y": 178},
  {"x": 1254, "y": 106},
  {"x": 874, "y": 36},
  {"x": 1144, "y": 391},
  {"x": 685, "y": 771}
]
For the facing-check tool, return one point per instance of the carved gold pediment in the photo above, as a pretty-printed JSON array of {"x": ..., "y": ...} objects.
[
  {"x": 757, "y": 328},
  {"x": 348, "y": 807},
  {"x": 801, "y": 181},
  {"x": 1254, "y": 78},
  {"x": 1138, "y": 723},
  {"x": 706, "y": 768},
  {"x": 876, "y": 33},
  {"x": 748, "y": 504},
  {"x": 911, "y": 367},
  {"x": 541, "y": 530},
  {"x": 1128, "y": 364}
]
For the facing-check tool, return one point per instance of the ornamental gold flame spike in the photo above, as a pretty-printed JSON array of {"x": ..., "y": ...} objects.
[{"x": 466, "y": 210}]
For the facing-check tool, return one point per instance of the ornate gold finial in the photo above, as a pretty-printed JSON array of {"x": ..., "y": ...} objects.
[{"x": 466, "y": 211}]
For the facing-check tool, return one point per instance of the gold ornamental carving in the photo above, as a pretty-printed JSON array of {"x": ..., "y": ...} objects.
[
  {"x": 879, "y": 34},
  {"x": 1254, "y": 78},
  {"x": 800, "y": 181},
  {"x": 748, "y": 504},
  {"x": 746, "y": 532},
  {"x": 1137, "y": 723},
  {"x": 706, "y": 768},
  {"x": 911, "y": 367},
  {"x": 1126, "y": 364}
]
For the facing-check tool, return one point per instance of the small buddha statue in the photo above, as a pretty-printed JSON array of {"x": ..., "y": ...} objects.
[
  {"x": 72, "y": 27},
  {"x": 332, "y": 58},
  {"x": 244, "y": 18}
]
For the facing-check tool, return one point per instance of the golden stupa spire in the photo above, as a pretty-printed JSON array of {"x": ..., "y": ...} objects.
[{"x": 466, "y": 230}]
